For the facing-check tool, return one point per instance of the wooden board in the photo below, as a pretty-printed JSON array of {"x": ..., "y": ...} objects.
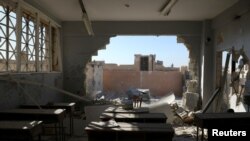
[
  {"x": 16, "y": 130},
  {"x": 121, "y": 110},
  {"x": 132, "y": 117},
  {"x": 130, "y": 132}
]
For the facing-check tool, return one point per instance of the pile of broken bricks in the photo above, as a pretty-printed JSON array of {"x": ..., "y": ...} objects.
[{"x": 190, "y": 104}]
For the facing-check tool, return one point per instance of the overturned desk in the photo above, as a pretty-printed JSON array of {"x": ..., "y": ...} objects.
[
  {"x": 20, "y": 130},
  {"x": 221, "y": 121},
  {"x": 69, "y": 107},
  {"x": 55, "y": 116},
  {"x": 100, "y": 131},
  {"x": 132, "y": 117}
]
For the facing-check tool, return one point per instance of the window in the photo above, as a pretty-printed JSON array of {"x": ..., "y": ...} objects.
[
  {"x": 38, "y": 41},
  {"x": 44, "y": 52},
  {"x": 28, "y": 53},
  {"x": 144, "y": 63},
  {"x": 8, "y": 50}
]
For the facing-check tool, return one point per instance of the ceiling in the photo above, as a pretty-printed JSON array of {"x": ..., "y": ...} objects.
[{"x": 135, "y": 10}]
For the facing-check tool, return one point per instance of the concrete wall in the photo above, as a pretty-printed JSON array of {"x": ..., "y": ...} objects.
[
  {"x": 209, "y": 73},
  {"x": 77, "y": 53},
  {"x": 160, "y": 83},
  {"x": 13, "y": 95},
  {"x": 232, "y": 28}
]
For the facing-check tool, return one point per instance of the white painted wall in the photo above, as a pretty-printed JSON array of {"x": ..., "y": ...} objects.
[{"x": 234, "y": 32}]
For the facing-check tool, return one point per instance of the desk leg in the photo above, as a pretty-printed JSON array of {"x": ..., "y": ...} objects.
[
  {"x": 56, "y": 132},
  {"x": 71, "y": 124},
  {"x": 39, "y": 137},
  {"x": 197, "y": 134},
  {"x": 63, "y": 135},
  {"x": 116, "y": 136},
  {"x": 202, "y": 134},
  {"x": 62, "y": 131}
]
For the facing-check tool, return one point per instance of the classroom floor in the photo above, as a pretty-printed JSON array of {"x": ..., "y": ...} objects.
[{"x": 182, "y": 132}]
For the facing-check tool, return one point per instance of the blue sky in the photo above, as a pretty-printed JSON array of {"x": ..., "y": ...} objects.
[{"x": 121, "y": 50}]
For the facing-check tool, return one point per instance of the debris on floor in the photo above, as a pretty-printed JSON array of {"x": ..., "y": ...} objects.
[
  {"x": 185, "y": 133},
  {"x": 164, "y": 106}
]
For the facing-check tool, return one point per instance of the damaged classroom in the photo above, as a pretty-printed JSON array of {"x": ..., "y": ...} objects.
[{"x": 51, "y": 90}]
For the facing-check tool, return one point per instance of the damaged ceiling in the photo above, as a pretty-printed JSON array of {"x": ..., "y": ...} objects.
[{"x": 134, "y": 10}]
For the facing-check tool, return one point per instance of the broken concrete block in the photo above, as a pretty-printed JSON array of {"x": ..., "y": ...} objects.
[
  {"x": 177, "y": 121},
  {"x": 190, "y": 101},
  {"x": 192, "y": 86}
]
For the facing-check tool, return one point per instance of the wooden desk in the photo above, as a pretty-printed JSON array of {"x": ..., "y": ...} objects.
[
  {"x": 46, "y": 115},
  {"x": 69, "y": 107},
  {"x": 121, "y": 110},
  {"x": 221, "y": 120},
  {"x": 130, "y": 132},
  {"x": 132, "y": 117},
  {"x": 20, "y": 130}
]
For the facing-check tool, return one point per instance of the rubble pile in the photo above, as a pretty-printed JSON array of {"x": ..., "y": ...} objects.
[{"x": 184, "y": 113}]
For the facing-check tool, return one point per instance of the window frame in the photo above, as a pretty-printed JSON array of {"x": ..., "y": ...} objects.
[{"x": 42, "y": 40}]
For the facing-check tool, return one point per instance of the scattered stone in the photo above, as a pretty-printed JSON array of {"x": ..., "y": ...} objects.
[
  {"x": 185, "y": 133},
  {"x": 190, "y": 101},
  {"x": 177, "y": 121},
  {"x": 192, "y": 86}
]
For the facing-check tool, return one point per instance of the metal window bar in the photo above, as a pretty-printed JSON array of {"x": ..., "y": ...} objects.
[
  {"x": 28, "y": 44},
  {"x": 8, "y": 34},
  {"x": 7, "y": 38},
  {"x": 18, "y": 37},
  {"x": 44, "y": 48}
]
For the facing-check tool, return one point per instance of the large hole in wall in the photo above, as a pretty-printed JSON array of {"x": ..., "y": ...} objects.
[{"x": 156, "y": 63}]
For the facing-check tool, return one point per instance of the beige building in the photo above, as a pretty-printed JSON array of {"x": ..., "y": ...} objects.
[{"x": 145, "y": 73}]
